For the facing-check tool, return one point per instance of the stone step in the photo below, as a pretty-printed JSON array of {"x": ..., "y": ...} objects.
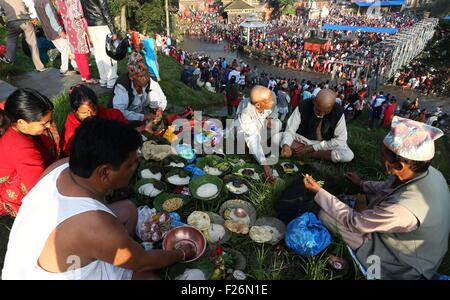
[
  {"x": 5, "y": 90},
  {"x": 49, "y": 83}
]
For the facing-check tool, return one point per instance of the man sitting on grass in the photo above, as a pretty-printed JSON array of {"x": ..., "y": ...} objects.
[
  {"x": 136, "y": 95},
  {"x": 317, "y": 129},
  {"x": 255, "y": 118},
  {"x": 404, "y": 223},
  {"x": 65, "y": 230}
]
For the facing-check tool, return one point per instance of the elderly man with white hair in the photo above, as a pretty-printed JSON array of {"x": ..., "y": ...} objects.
[{"x": 256, "y": 118}]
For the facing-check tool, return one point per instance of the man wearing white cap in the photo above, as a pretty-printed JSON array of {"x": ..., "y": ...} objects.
[{"x": 405, "y": 223}]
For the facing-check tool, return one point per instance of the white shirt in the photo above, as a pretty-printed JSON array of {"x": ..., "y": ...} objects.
[
  {"x": 249, "y": 122},
  {"x": 234, "y": 73},
  {"x": 339, "y": 140},
  {"x": 43, "y": 210},
  {"x": 157, "y": 98},
  {"x": 136, "y": 110},
  {"x": 272, "y": 84},
  {"x": 316, "y": 91}
]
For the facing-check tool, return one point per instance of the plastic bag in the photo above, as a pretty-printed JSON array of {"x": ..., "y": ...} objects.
[
  {"x": 196, "y": 171},
  {"x": 175, "y": 220},
  {"x": 306, "y": 235},
  {"x": 144, "y": 214},
  {"x": 169, "y": 135},
  {"x": 153, "y": 228}
]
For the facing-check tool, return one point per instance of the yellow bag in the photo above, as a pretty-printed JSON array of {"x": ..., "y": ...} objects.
[{"x": 169, "y": 135}]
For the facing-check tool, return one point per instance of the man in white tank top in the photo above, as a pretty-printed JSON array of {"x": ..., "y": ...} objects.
[{"x": 65, "y": 230}]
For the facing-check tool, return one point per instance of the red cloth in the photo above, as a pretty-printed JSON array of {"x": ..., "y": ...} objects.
[
  {"x": 72, "y": 124},
  {"x": 388, "y": 115},
  {"x": 295, "y": 98},
  {"x": 23, "y": 159},
  {"x": 82, "y": 61}
]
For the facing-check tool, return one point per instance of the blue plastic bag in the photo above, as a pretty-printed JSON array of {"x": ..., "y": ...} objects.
[
  {"x": 306, "y": 235},
  {"x": 196, "y": 171},
  {"x": 175, "y": 220}
]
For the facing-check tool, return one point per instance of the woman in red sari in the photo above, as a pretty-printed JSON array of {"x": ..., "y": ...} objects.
[
  {"x": 84, "y": 105},
  {"x": 295, "y": 97},
  {"x": 27, "y": 146}
]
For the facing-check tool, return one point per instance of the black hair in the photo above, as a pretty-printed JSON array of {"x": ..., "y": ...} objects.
[
  {"x": 102, "y": 142},
  {"x": 4, "y": 123},
  {"x": 79, "y": 94},
  {"x": 25, "y": 104},
  {"x": 414, "y": 165}
]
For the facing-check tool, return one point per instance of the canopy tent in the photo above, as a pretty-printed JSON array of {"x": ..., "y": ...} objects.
[
  {"x": 253, "y": 24},
  {"x": 252, "y": 21},
  {"x": 360, "y": 28},
  {"x": 381, "y": 3}
]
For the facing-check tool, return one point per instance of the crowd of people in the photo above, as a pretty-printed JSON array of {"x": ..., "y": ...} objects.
[
  {"x": 75, "y": 27},
  {"x": 421, "y": 76},
  {"x": 282, "y": 41}
]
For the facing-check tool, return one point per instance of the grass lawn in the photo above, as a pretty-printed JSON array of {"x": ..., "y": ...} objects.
[{"x": 263, "y": 262}]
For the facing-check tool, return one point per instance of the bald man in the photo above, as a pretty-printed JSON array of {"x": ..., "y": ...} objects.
[
  {"x": 317, "y": 129},
  {"x": 253, "y": 118}
]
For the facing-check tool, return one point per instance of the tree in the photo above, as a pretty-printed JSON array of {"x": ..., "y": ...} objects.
[
  {"x": 143, "y": 15},
  {"x": 279, "y": 5},
  {"x": 439, "y": 8}
]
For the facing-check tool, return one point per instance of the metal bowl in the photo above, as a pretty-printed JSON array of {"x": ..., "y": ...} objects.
[{"x": 185, "y": 235}]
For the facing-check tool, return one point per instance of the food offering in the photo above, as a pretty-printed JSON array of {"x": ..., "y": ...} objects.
[
  {"x": 150, "y": 187},
  {"x": 178, "y": 177},
  {"x": 206, "y": 187},
  {"x": 214, "y": 165},
  {"x": 267, "y": 230},
  {"x": 236, "y": 185},
  {"x": 150, "y": 170},
  {"x": 239, "y": 215},
  {"x": 170, "y": 202}
]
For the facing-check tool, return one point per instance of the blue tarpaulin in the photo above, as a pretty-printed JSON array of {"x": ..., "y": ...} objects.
[
  {"x": 381, "y": 3},
  {"x": 447, "y": 18},
  {"x": 360, "y": 28}
]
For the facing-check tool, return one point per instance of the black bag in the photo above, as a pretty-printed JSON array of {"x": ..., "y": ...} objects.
[
  {"x": 116, "y": 49},
  {"x": 294, "y": 201}
]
